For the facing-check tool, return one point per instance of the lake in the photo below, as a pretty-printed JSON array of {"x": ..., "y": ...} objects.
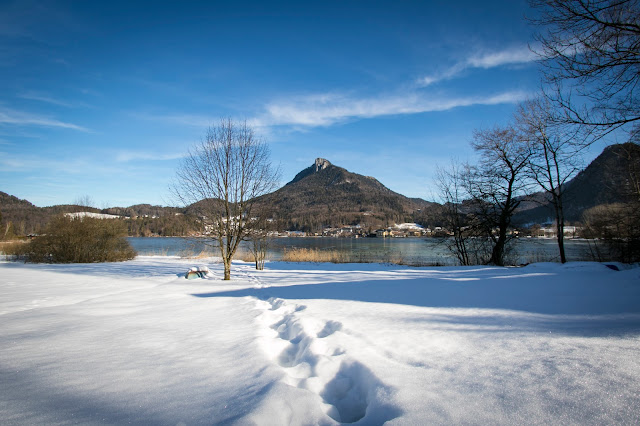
[{"x": 414, "y": 251}]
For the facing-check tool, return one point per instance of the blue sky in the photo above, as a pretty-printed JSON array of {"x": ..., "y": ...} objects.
[{"x": 103, "y": 98}]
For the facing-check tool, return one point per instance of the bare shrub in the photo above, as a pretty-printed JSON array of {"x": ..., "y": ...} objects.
[
  {"x": 314, "y": 255},
  {"x": 81, "y": 240},
  {"x": 14, "y": 249},
  {"x": 614, "y": 231},
  {"x": 244, "y": 256},
  {"x": 195, "y": 253},
  {"x": 335, "y": 256}
]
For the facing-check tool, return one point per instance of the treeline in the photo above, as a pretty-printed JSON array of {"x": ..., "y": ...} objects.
[
  {"x": 19, "y": 218},
  {"x": 315, "y": 222},
  {"x": 165, "y": 226}
]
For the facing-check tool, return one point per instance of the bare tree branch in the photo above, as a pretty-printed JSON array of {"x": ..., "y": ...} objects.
[{"x": 590, "y": 50}]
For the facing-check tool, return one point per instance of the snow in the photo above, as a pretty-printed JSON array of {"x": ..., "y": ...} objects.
[
  {"x": 408, "y": 226},
  {"x": 135, "y": 342},
  {"x": 92, "y": 215}
]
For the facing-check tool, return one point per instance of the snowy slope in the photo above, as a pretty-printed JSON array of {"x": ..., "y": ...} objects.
[{"x": 136, "y": 343}]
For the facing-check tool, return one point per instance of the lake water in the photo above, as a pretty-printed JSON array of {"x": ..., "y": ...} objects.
[{"x": 415, "y": 251}]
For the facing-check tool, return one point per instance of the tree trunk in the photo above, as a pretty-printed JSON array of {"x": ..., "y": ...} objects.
[
  {"x": 560, "y": 232},
  {"x": 227, "y": 269},
  {"x": 557, "y": 201},
  {"x": 497, "y": 256},
  {"x": 563, "y": 257}
]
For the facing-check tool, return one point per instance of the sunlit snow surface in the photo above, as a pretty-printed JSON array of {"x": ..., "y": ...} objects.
[{"x": 137, "y": 343}]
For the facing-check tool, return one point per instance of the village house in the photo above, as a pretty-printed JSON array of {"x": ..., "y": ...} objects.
[
  {"x": 551, "y": 232},
  {"x": 382, "y": 233},
  {"x": 296, "y": 234},
  {"x": 344, "y": 231}
]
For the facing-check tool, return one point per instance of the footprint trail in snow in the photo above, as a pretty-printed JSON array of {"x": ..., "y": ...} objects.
[{"x": 313, "y": 361}]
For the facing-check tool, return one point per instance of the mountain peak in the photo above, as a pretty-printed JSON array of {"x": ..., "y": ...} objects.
[
  {"x": 326, "y": 195},
  {"x": 319, "y": 165},
  {"x": 322, "y": 164}
]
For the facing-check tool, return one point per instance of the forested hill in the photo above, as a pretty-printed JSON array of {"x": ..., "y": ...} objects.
[
  {"x": 325, "y": 195},
  {"x": 610, "y": 178},
  {"x": 10, "y": 202},
  {"x": 20, "y": 217}
]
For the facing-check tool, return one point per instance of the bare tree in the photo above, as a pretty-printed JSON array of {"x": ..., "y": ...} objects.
[
  {"x": 84, "y": 201},
  {"x": 467, "y": 241},
  {"x": 555, "y": 157},
  {"x": 261, "y": 236},
  {"x": 451, "y": 190},
  {"x": 496, "y": 182},
  {"x": 221, "y": 178},
  {"x": 591, "y": 50},
  {"x": 260, "y": 242}
]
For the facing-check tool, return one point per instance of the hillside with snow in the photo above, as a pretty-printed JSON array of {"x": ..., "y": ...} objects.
[{"x": 137, "y": 343}]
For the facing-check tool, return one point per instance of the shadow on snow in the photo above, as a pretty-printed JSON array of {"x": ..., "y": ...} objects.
[{"x": 579, "y": 305}]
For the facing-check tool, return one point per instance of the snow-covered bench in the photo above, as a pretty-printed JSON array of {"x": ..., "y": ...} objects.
[{"x": 197, "y": 272}]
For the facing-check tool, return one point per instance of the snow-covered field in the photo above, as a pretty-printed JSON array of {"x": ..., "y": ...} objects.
[{"x": 136, "y": 343}]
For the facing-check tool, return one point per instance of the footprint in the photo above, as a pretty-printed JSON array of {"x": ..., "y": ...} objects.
[
  {"x": 329, "y": 328},
  {"x": 347, "y": 392},
  {"x": 275, "y": 303},
  {"x": 297, "y": 353},
  {"x": 288, "y": 328},
  {"x": 356, "y": 392},
  {"x": 338, "y": 351}
]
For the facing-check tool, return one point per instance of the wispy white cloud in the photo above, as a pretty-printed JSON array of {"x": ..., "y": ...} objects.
[
  {"x": 328, "y": 109},
  {"x": 30, "y": 162},
  {"x": 447, "y": 74},
  {"x": 20, "y": 118},
  {"x": 203, "y": 122},
  {"x": 299, "y": 113},
  {"x": 90, "y": 92},
  {"x": 521, "y": 55},
  {"x": 44, "y": 98},
  {"x": 81, "y": 167},
  {"x": 126, "y": 156},
  {"x": 484, "y": 60}
]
